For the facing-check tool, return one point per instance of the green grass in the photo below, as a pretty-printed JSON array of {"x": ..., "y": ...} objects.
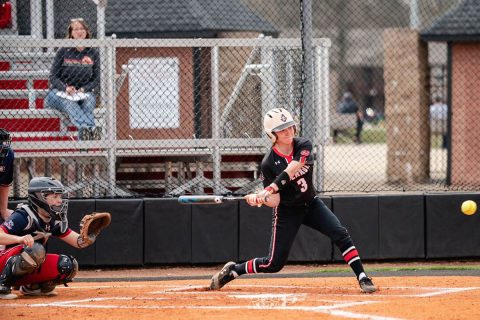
[
  {"x": 378, "y": 134},
  {"x": 374, "y": 134}
]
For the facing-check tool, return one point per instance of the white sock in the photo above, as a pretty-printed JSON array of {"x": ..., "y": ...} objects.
[{"x": 361, "y": 276}]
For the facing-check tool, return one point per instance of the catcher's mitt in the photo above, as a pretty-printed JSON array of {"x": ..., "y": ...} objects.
[{"x": 91, "y": 226}]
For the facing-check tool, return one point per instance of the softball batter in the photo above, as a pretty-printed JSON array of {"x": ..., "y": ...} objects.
[{"x": 287, "y": 178}]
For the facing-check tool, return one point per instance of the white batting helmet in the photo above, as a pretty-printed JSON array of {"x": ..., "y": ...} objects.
[{"x": 276, "y": 120}]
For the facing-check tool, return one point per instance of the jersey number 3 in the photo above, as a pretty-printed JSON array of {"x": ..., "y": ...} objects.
[{"x": 303, "y": 184}]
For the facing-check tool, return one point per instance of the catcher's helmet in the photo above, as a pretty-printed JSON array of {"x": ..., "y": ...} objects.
[
  {"x": 5, "y": 141},
  {"x": 38, "y": 189},
  {"x": 276, "y": 120}
]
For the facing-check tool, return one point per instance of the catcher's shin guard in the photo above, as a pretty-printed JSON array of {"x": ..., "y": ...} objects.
[
  {"x": 21, "y": 264},
  {"x": 223, "y": 277}
]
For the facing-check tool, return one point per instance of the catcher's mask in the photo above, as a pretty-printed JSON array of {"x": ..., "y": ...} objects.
[
  {"x": 39, "y": 188},
  {"x": 5, "y": 141},
  {"x": 276, "y": 120}
]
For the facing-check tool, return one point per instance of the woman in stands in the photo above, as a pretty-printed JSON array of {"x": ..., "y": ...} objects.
[{"x": 74, "y": 80}]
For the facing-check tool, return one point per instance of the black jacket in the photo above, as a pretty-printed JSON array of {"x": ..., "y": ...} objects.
[{"x": 80, "y": 69}]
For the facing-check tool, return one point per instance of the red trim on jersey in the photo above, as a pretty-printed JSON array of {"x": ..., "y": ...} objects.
[
  {"x": 66, "y": 233},
  {"x": 289, "y": 157},
  {"x": 274, "y": 233},
  {"x": 352, "y": 254},
  {"x": 4, "y": 229}
]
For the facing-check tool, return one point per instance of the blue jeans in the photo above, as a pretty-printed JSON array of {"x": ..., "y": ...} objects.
[{"x": 79, "y": 112}]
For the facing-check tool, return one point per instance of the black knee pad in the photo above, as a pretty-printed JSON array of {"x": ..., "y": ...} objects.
[{"x": 67, "y": 267}]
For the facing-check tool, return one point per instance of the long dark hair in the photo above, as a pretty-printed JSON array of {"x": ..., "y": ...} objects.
[{"x": 84, "y": 25}]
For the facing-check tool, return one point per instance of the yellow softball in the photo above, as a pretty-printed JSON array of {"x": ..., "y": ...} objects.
[{"x": 469, "y": 207}]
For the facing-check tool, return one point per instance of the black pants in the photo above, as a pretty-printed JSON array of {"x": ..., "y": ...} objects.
[{"x": 285, "y": 225}]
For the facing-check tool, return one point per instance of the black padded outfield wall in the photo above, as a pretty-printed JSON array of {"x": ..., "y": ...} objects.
[
  {"x": 450, "y": 233},
  {"x": 122, "y": 242},
  {"x": 401, "y": 227},
  {"x": 215, "y": 233},
  {"x": 168, "y": 232},
  {"x": 359, "y": 214},
  {"x": 383, "y": 227}
]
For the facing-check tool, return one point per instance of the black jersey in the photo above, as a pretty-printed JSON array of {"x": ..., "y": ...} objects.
[{"x": 300, "y": 189}]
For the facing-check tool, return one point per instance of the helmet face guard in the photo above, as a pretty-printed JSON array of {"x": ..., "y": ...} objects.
[
  {"x": 39, "y": 189},
  {"x": 275, "y": 120},
  {"x": 5, "y": 142}
]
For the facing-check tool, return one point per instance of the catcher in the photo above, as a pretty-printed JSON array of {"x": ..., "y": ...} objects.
[{"x": 24, "y": 264}]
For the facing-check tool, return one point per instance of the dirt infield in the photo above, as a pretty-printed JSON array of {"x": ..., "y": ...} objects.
[{"x": 287, "y": 296}]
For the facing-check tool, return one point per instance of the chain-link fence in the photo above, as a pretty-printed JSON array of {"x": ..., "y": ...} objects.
[{"x": 155, "y": 98}]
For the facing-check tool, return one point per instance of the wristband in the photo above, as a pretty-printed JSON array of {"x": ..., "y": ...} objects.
[{"x": 282, "y": 179}]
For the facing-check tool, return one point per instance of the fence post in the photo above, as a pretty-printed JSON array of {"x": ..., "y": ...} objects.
[
  {"x": 308, "y": 109},
  {"x": 111, "y": 112},
  {"x": 216, "y": 156},
  {"x": 322, "y": 112}
]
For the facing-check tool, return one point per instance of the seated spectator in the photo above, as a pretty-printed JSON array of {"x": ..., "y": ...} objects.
[
  {"x": 74, "y": 78},
  {"x": 348, "y": 105},
  {"x": 438, "y": 116}
]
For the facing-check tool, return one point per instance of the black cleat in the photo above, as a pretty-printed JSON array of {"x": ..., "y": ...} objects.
[
  {"x": 223, "y": 277},
  {"x": 366, "y": 285}
]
